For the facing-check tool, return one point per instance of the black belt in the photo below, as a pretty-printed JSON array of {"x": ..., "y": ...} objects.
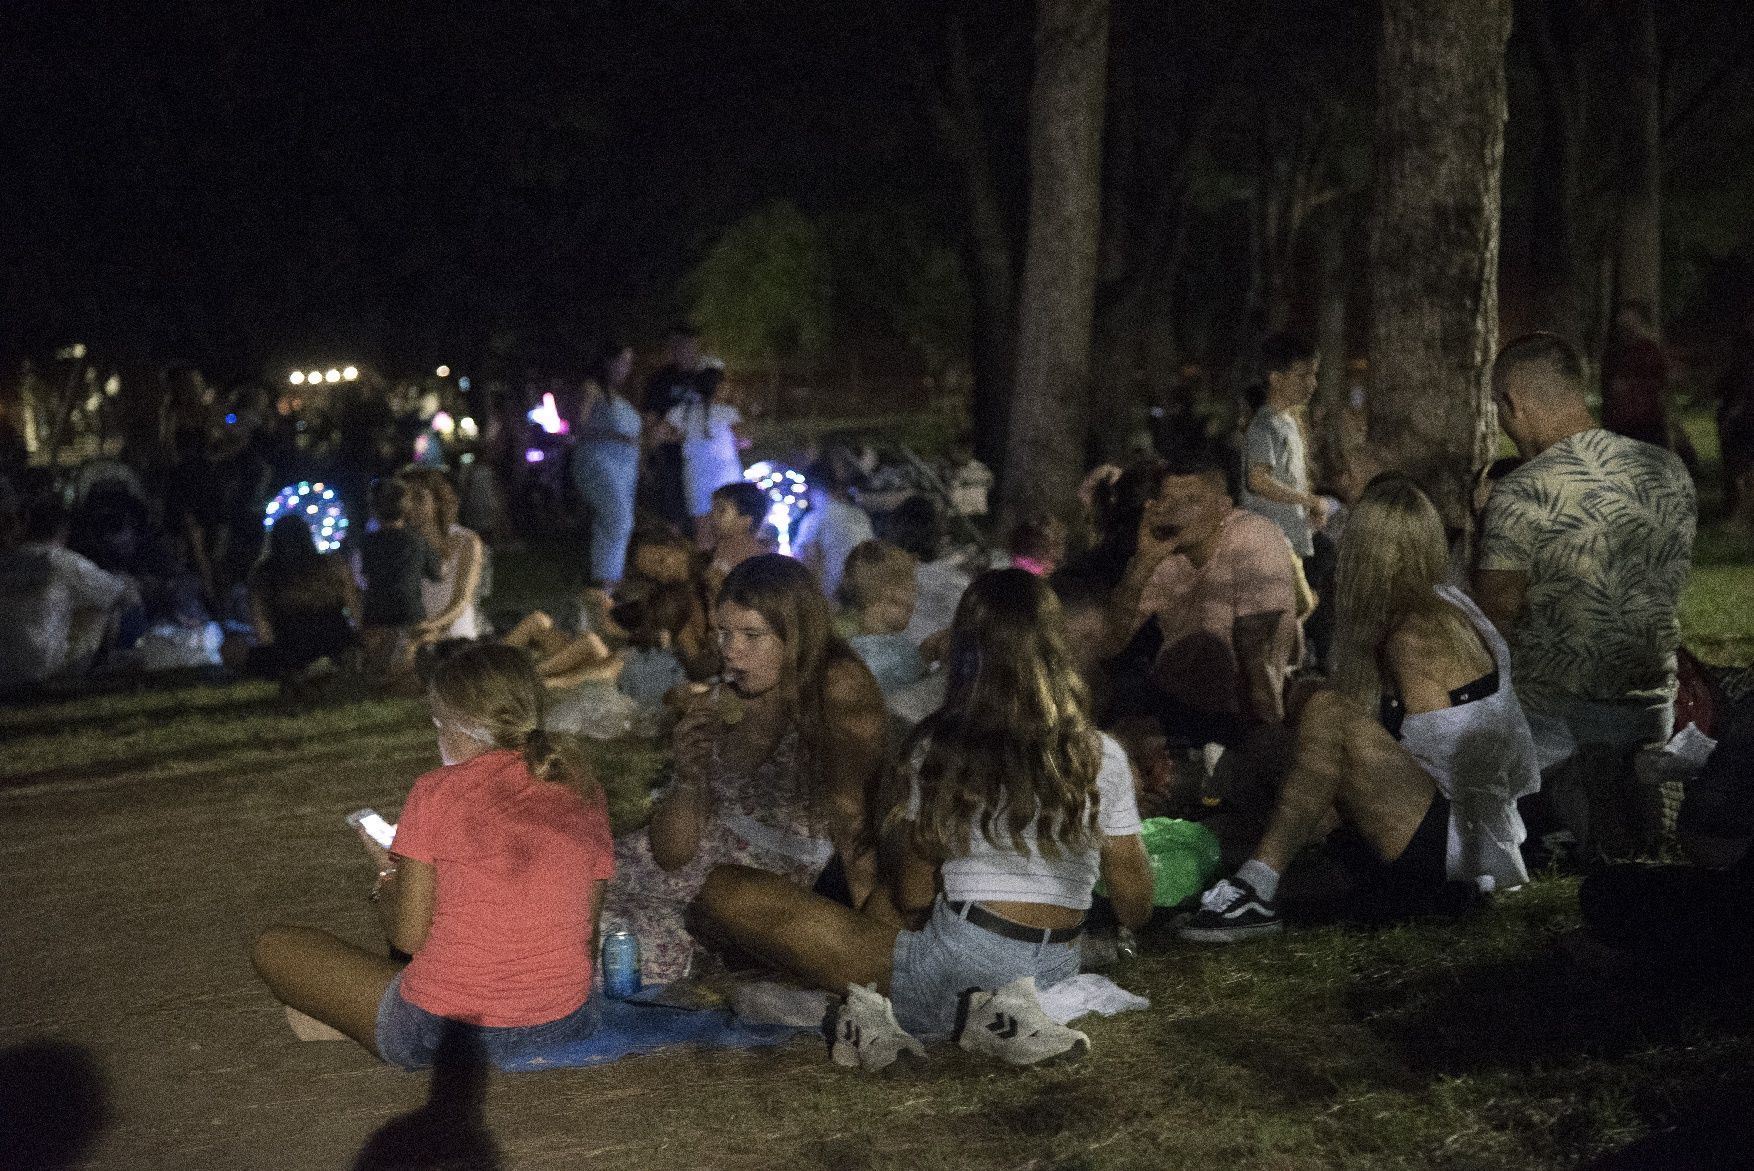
[{"x": 999, "y": 925}]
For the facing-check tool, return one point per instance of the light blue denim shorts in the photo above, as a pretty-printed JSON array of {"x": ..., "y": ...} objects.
[
  {"x": 937, "y": 964},
  {"x": 408, "y": 1035}
]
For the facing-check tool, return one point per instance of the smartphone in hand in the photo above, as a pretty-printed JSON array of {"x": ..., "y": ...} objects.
[{"x": 376, "y": 828}]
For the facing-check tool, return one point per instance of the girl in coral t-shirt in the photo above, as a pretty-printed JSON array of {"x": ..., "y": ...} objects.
[{"x": 493, "y": 885}]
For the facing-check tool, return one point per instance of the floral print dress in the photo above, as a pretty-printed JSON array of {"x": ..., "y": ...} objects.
[{"x": 759, "y": 819}]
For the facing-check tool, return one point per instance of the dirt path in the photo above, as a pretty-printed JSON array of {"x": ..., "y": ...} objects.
[{"x": 130, "y": 902}]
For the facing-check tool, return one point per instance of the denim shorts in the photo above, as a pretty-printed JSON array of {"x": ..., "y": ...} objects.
[
  {"x": 409, "y": 1036},
  {"x": 937, "y": 964}
]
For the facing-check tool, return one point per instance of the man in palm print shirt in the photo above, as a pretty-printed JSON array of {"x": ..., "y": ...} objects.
[{"x": 1585, "y": 550}]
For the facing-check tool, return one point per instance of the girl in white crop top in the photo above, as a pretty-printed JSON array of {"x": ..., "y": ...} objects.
[{"x": 1014, "y": 806}]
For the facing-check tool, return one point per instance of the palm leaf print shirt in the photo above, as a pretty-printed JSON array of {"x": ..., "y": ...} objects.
[{"x": 1602, "y": 526}]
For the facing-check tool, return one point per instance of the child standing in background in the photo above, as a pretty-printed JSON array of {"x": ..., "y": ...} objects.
[{"x": 711, "y": 440}]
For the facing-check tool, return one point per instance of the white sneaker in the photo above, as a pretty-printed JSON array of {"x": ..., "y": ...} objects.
[
  {"x": 1010, "y": 1025},
  {"x": 866, "y": 1035}
]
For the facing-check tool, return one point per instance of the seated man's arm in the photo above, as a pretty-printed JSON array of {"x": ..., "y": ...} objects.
[
  {"x": 1263, "y": 632},
  {"x": 1501, "y": 579},
  {"x": 1128, "y": 606},
  {"x": 1501, "y": 593},
  {"x": 1260, "y": 647}
]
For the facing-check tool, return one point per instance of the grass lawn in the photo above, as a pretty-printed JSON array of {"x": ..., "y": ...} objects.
[{"x": 150, "y": 834}]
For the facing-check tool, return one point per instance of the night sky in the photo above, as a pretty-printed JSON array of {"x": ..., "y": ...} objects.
[
  {"x": 251, "y": 184},
  {"x": 231, "y": 183}
]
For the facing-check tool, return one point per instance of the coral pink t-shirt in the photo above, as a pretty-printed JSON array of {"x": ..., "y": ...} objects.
[
  {"x": 1197, "y": 609},
  {"x": 515, "y": 858}
]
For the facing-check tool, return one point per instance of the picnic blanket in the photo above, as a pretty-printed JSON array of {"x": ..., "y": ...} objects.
[{"x": 627, "y": 1027}]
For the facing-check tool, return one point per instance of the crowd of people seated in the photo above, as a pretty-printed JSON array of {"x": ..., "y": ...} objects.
[
  {"x": 900, "y": 760},
  {"x": 900, "y": 766}
]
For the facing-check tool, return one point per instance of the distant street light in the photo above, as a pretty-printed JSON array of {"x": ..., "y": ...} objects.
[
  {"x": 333, "y": 375},
  {"x": 314, "y": 377},
  {"x": 297, "y": 378},
  {"x": 443, "y": 371},
  {"x": 349, "y": 374}
]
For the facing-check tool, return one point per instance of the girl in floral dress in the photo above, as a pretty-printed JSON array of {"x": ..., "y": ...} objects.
[{"x": 774, "y": 764}]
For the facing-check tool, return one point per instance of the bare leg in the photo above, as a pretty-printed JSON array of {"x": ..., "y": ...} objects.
[
  {"x": 325, "y": 978},
  {"x": 585, "y": 652},
  {"x": 531, "y": 632},
  {"x": 798, "y": 932},
  {"x": 1347, "y": 765}
]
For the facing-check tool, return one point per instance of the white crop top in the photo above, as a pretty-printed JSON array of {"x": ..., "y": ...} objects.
[{"x": 988, "y": 873}]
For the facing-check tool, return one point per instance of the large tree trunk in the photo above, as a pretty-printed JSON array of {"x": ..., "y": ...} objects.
[
  {"x": 1639, "y": 255},
  {"x": 1556, "y": 194},
  {"x": 1045, "y": 455},
  {"x": 956, "y": 120},
  {"x": 1434, "y": 239},
  {"x": 1329, "y": 408}
]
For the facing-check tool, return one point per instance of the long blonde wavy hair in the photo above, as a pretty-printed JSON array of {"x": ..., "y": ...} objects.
[
  {"x": 1013, "y": 745},
  {"x": 491, "y": 692},
  {"x": 1393, "y": 555}
]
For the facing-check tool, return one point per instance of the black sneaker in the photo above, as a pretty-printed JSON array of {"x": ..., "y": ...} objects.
[{"x": 1229, "y": 913}]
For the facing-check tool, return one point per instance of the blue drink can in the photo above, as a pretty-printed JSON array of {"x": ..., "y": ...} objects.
[{"x": 620, "y": 964}]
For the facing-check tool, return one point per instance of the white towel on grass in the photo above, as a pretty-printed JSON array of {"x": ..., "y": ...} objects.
[{"x": 1086, "y": 993}]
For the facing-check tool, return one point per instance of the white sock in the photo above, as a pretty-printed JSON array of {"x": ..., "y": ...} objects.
[{"x": 1261, "y": 876}]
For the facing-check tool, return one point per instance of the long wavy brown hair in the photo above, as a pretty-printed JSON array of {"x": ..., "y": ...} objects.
[
  {"x": 1013, "y": 745},
  {"x": 788, "y": 599},
  {"x": 491, "y": 690}
]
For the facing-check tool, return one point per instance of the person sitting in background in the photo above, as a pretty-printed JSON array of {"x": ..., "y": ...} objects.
[
  {"x": 734, "y": 528},
  {"x": 773, "y": 768},
  {"x": 1419, "y": 748},
  {"x": 562, "y": 660},
  {"x": 1014, "y": 807},
  {"x": 1584, "y": 552},
  {"x": 1220, "y": 584},
  {"x": 492, "y": 885},
  {"x": 660, "y": 558},
  {"x": 451, "y": 601},
  {"x": 1698, "y": 916},
  {"x": 59, "y": 613},
  {"x": 302, "y": 602},
  {"x": 395, "y": 563},
  {"x": 1038, "y": 544},
  {"x": 943, "y": 574},
  {"x": 655, "y": 620},
  {"x": 1115, "y": 500},
  {"x": 833, "y": 524},
  {"x": 967, "y": 480},
  {"x": 878, "y": 588}
]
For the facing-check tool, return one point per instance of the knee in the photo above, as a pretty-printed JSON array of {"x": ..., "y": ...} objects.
[
  {"x": 1322, "y": 707},
  {"x": 727, "y": 890},
  {"x": 273, "y": 948}
]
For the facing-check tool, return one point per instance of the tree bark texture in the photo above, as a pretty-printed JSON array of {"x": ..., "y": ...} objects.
[
  {"x": 1639, "y": 255},
  {"x": 1434, "y": 240},
  {"x": 956, "y": 120},
  {"x": 1329, "y": 407},
  {"x": 1049, "y": 408},
  {"x": 1556, "y": 195}
]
